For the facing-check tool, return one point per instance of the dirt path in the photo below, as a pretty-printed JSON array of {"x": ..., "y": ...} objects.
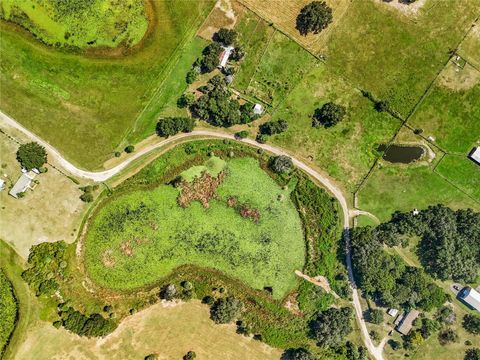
[{"x": 376, "y": 352}]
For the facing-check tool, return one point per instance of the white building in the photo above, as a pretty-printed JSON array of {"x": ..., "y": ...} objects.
[
  {"x": 224, "y": 55},
  {"x": 475, "y": 155},
  {"x": 392, "y": 312},
  {"x": 2, "y": 184},
  {"x": 22, "y": 184},
  {"x": 471, "y": 297},
  {"x": 258, "y": 109}
]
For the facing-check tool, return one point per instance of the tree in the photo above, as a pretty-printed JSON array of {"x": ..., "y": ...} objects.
[
  {"x": 328, "y": 115},
  {"x": 297, "y": 354},
  {"x": 382, "y": 106},
  {"x": 170, "y": 126},
  {"x": 472, "y": 354},
  {"x": 191, "y": 76},
  {"x": 186, "y": 100},
  {"x": 376, "y": 316},
  {"x": 168, "y": 292},
  {"x": 395, "y": 345},
  {"x": 471, "y": 323},
  {"x": 241, "y": 134},
  {"x": 129, "y": 149},
  {"x": 273, "y": 127},
  {"x": 237, "y": 54},
  {"x": 190, "y": 355},
  {"x": 225, "y": 310},
  {"x": 211, "y": 57},
  {"x": 281, "y": 164},
  {"x": 86, "y": 197},
  {"x": 330, "y": 327},
  {"x": 225, "y": 36},
  {"x": 31, "y": 155},
  {"x": 314, "y": 17}
]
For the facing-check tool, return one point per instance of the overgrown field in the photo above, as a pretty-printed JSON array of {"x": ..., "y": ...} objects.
[
  {"x": 250, "y": 230},
  {"x": 76, "y": 102},
  {"x": 80, "y": 23},
  {"x": 8, "y": 311}
]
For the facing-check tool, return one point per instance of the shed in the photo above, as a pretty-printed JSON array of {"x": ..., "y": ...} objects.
[
  {"x": 258, "y": 109},
  {"x": 471, "y": 297},
  {"x": 224, "y": 55},
  {"x": 22, "y": 184},
  {"x": 406, "y": 323},
  {"x": 392, "y": 312},
  {"x": 474, "y": 155}
]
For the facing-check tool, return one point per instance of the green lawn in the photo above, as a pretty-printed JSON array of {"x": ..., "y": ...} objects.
[
  {"x": 8, "y": 310},
  {"x": 162, "y": 235},
  {"x": 346, "y": 151},
  {"x": 462, "y": 172},
  {"x": 282, "y": 65},
  {"x": 77, "y": 102},
  {"x": 393, "y": 56},
  {"x": 97, "y": 23}
]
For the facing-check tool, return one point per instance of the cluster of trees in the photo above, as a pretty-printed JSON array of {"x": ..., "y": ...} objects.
[
  {"x": 331, "y": 326},
  {"x": 471, "y": 323},
  {"x": 170, "y": 126},
  {"x": 273, "y": 127},
  {"x": 225, "y": 310},
  {"x": 217, "y": 108},
  {"x": 78, "y": 323},
  {"x": 314, "y": 17},
  {"x": 184, "y": 292},
  {"x": 328, "y": 115},
  {"x": 450, "y": 240},
  {"x": 31, "y": 155},
  {"x": 386, "y": 278},
  {"x": 281, "y": 164},
  {"x": 87, "y": 192}
]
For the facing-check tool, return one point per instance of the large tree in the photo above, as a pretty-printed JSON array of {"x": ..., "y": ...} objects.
[
  {"x": 330, "y": 327},
  {"x": 173, "y": 125},
  {"x": 328, "y": 115},
  {"x": 31, "y": 155},
  {"x": 281, "y": 164},
  {"x": 471, "y": 323},
  {"x": 314, "y": 17},
  {"x": 225, "y": 310},
  {"x": 225, "y": 36}
]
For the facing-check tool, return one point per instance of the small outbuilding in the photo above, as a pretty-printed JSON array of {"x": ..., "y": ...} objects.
[
  {"x": 471, "y": 297},
  {"x": 258, "y": 109},
  {"x": 474, "y": 155},
  {"x": 22, "y": 184},
  {"x": 392, "y": 312},
  {"x": 406, "y": 323}
]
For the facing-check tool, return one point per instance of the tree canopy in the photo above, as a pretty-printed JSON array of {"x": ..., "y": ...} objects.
[
  {"x": 331, "y": 326},
  {"x": 328, "y": 115},
  {"x": 274, "y": 127},
  {"x": 31, "y": 155},
  {"x": 471, "y": 323},
  {"x": 225, "y": 36},
  {"x": 281, "y": 164},
  {"x": 173, "y": 125},
  {"x": 314, "y": 17},
  {"x": 225, "y": 310}
]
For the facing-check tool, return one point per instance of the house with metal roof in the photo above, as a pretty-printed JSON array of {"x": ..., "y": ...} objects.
[
  {"x": 471, "y": 297},
  {"x": 406, "y": 324},
  {"x": 22, "y": 184}
]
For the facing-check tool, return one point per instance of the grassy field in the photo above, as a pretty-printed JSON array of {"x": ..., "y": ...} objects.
[
  {"x": 346, "y": 151},
  {"x": 50, "y": 212},
  {"x": 8, "y": 310},
  {"x": 462, "y": 172},
  {"x": 387, "y": 56},
  {"x": 143, "y": 235},
  {"x": 98, "y": 23},
  {"x": 282, "y": 65},
  {"x": 283, "y": 16},
  {"x": 470, "y": 47},
  {"x": 57, "y": 94}
]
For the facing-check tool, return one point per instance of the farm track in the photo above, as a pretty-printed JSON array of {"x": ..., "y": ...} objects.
[{"x": 99, "y": 176}]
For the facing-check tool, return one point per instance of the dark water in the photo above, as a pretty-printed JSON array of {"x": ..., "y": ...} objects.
[{"x": 401, "y": 154}]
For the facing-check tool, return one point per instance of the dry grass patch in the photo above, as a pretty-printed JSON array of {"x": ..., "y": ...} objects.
[
  {"x": 225, "y": 14},
  {"x": 455, "y": 78},
  {"x": 470, "y": 47},
  {"x": 283, "y": 15}
]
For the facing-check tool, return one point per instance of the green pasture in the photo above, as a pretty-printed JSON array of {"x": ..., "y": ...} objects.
[
  {"x": 281, "y": 66},
  {"x": 8, "y": 311},
  {"x": 79, "y": 23},
  {"x": 393, "y": 56},
  {"x": 347, "y": 150},
  {"x": 461, "y": 172},
  {"x": 77, "y": 102},
  {"x": 162, "y": 235}
]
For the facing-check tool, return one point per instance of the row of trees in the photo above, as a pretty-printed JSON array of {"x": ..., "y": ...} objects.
[{"x": 170, "y": 126}]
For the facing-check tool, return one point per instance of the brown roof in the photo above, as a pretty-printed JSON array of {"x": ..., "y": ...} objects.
[{"x": 407, "y": 322}]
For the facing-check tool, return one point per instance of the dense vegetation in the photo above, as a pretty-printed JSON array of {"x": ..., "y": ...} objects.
[
  {"x": 314, "y": 17},
  {"x": 225, "y": 310},
  {"x": 331, "y": 326},
  {"x": 8, "y": 311},
  {"x": 31, "y": 155},
  {"x": 450, "y": 240},
  {"x": 170, "y": 126},
  {"x": 78, "y": 323},
  {"x": 80, "y": 23}
]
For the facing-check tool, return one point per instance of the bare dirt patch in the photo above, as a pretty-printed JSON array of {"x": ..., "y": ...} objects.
[
  {"x": 107, "y": 259},
  {"x": 455, "y": 78},
  {"x": 249, "y": 213},
  {"x": 202, "y": 189},
  {"x": 410, "y": 10},
  {"x": 126, "y": 248},
  {"x": 225, "y": 14}
]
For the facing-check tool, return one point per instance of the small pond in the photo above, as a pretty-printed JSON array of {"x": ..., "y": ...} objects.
[{"x": 404, "y": 154}]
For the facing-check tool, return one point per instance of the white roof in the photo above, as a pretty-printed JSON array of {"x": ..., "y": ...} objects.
[
  {"x": 225, "y": 55},
  {"x": 258, "y": 109},
  {"x": 475, "y": 154},
  {"x": 2, "y": 184},
  {"x": 392, "y": 312},
  {"x": 22, "y": 184},
  {"x": 471, "y": 297}
]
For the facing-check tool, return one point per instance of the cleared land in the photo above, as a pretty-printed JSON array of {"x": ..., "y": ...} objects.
[
  {"x": 78, "y": 102},
  {"x": 250, "y": 230},
  {"x": 98, "y": 23},
  {"x": 50, "y": 212},
  {"x": 387, "y": 56}
]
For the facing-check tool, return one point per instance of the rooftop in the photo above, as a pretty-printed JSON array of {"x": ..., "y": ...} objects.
[
  {"x": 475, "y": 155},
  {"x": 407, "y": 322},
  {"x": 22, "y": 184},
  {"x": 471, "y": 297}
]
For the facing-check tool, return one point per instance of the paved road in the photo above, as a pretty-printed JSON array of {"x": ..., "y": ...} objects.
[{"x": 376, "y": 352}]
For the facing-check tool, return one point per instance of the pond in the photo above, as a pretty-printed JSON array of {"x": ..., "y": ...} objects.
[{"x": 401, "y": 153}]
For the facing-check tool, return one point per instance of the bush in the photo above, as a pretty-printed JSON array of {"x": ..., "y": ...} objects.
[
  {"x": 447, "y": 336},
  {"x": 117, "y": 154},
  {"x": 281, "y": 164},
  {"x": 472, "y": 354},
  {"x": 328, "y": 115},
  {"x": 173, "y": 125},
  {"x": 225, "y": 36},
  {"x": 31, "y": 155},
  {"x": 314, "y": 17},
  {"x": 471, "y": 323},
  {"x": 241, "y": 134},
  {"x": 190, "y": 355},
  {"x": 129, "y": 149},
  {"x": 225, "y": 310},
  {"x": 273, "y": 127},
  {"x": 168, "y": 292},
  {"x": 261, "y": 138},
  {"x": 209, "y": 300},
  {"x": 376, "y": 316}
]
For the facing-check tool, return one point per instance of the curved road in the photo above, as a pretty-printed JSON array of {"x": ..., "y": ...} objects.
[{"x": 376, "y": 352}]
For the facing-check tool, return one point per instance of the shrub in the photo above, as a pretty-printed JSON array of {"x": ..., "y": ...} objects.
[
  {"x": 168, "y": 292},
  {"x": 241, "y": 134},
  {"x": 314, "y": 17},
  {"x": 173, "y": 125},
  {"x": 209, "y": 300},
  {"x": 129, "y": 149},
  {"x": 225, "y": 310},
  {"x": 376, "y": 316},
  {"x": 447, "y": 336},
  {"x": 225, "y": 36},
  {"x": 190, "y": 355},
  {"x": 31, "y": 155},
  {"x": 472, "y": 354},
  {"x": 445, "y": 315},
  {"x": 471, "y": 323},
  {"x": 261, "y": 138},
  {"x": 281, "y": 164},
  {"x": 382, "y": 106},
  {"x": 328, "y": 115},
  {"x": 117, "y": 154}
]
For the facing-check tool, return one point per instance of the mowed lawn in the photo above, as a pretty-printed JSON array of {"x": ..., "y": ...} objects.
[
  {"x": 393, "y": 56},
  {"x": 142, "y": 235},
  {"x": 346, "y": 151},
  {"x": 86, "y": 106}
]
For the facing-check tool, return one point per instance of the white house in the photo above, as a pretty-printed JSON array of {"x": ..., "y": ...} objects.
[
  {"x": 22, "y": 184},
  {"x": 258, "y": 109},
  {"x": 224, "y": 55},
  {"x": 475, "y": 155},
  {"x": 471, "y": 297}
]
